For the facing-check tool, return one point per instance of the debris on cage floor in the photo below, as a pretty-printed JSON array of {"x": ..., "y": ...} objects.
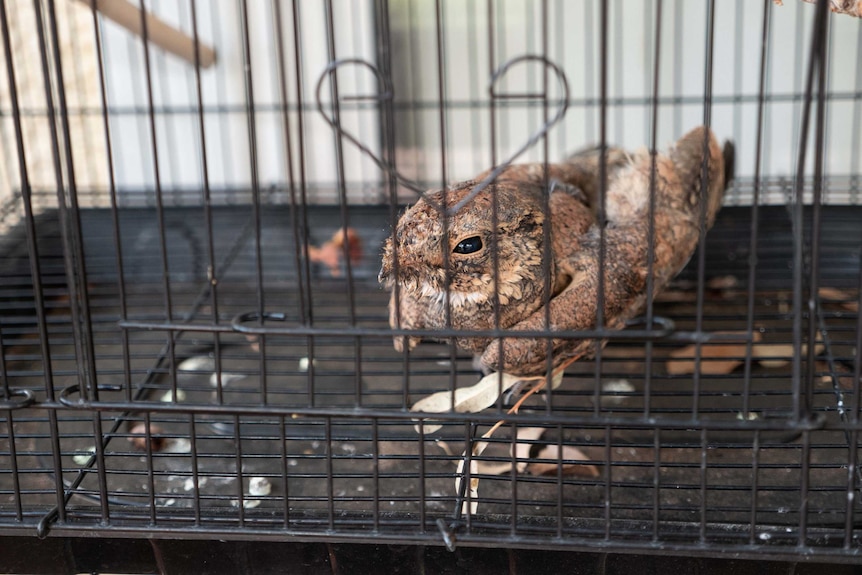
[{"x": 355, "y": 464}]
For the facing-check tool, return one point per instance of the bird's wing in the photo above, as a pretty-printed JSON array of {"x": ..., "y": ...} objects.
[{"x": 626, "y": 246}]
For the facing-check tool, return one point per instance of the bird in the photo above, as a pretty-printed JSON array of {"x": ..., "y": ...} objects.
[{"x": 468, "y": 270}]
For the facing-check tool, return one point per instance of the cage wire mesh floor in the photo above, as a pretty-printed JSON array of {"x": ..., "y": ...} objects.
[
  {"x": 189, "y": 423},
  {"x": 181, "y": 356}
]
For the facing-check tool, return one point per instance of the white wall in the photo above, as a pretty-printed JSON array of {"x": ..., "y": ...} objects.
[
  {"x": 224, "y": 96},
  {"x": 571, "y": 33}
]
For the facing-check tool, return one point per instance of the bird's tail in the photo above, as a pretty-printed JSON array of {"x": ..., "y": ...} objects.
[{"x": 717, "y": 171}]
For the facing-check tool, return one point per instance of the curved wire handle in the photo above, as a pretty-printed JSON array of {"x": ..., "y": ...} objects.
[
  {"x": 563, "y": 106},
  {"x": 385, "y": 94}
]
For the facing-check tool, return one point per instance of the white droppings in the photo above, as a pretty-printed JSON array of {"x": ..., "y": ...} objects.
[
  {"x": 304, "y": 363},
  {"x": 226, "y": 378},
  {"x": 170, "y": 502},
  {"x": 315, "y": 444},
  {"x": 168, "y": 396},
  {"x": 246, "y": 503},
  {"x": 292, "y": 462},
  {"x": 764, "y": 536},
  {"x": 360, "y": 488},
  {"x": 81, "y": 458},
  {"x": 177, "y": 445},
  {"x": 259, "y": 486},
  {"x": 197, "y": 363},
  {"x": 348, "y": 448},
  {"x": 618, "y": 386}
]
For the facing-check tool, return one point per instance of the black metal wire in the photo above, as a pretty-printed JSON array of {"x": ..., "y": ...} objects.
[
  {"x": 737, "y": 462},
  {"x": 32, "y": 247},
  {"x": 651, "y": 230}
]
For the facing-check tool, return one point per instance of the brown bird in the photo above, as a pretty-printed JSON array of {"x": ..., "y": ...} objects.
[{"x": 454, "y": 268}]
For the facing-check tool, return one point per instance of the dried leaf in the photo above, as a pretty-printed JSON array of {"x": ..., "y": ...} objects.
[
  {"x": 783, "y": 298},
  {"x": 566, "y": 460},
  {"x": 444, "y": 446},
  {"x": 138, "y": 437},
  {"x": 522, "y": 450},
  {"x": 778, "y": 354},
  {"x": 467, "y": 399},
  {"x": 723, "y": 283},
  {"x": 331, "y": 253},
  {"x": 488, "y": 468},
  {"x": 844, "y": 298},
  {"x": 556, "y": 380},
  {"x": 473, "y": 488},
  {"x": 775, "y": 355},
  {"x": 719, "y": 359},
  {"x": 837, "y": 370},
  {"x": 675, "y": 296}
]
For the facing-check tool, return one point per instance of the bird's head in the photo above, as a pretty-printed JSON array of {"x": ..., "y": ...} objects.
[{"x": 437, "y": 257}]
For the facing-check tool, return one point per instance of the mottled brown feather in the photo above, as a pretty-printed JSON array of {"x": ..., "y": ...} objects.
[{"x": 424, "y": 250}]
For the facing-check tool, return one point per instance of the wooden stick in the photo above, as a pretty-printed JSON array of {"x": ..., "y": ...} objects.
[
  {"x": 159, "y": 32},
  {"x": 849, "y": 7}
]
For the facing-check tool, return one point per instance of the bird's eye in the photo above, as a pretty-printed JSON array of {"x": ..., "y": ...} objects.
[{"x": 468, "y": 245}]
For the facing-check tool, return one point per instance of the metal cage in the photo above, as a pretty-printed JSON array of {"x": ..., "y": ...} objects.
[{"x": 191, "y": 346}]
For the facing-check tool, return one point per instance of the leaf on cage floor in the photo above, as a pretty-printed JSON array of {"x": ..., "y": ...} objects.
[
  {"x": 720, "y": 283},
  {"x": 675, "y": 296},
  {"x": 845, "y": 299},
  {"x": 717, "y": 359},
  {"x": 444, "y": 446},
  {"x": 331, "y": 253},
  {"x": 522, "y": 450},
  {"x": 139, "y": 438},
  {"x": 522, "y": 453},
  {"x": 775, "y": 355},
  {"x": 835, "y": 372},
  {"x": 489, "y": 468},
  {"x": 565, "y": 458},
  {"x": 779, "y": 355},
  {"x": 472, "y": 491},
  {"x": 466, "y": 400}
]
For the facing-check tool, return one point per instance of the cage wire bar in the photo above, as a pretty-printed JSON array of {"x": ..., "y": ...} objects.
[{"x": 194, "y": 343}]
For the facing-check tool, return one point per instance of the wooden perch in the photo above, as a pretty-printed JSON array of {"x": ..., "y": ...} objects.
[
  {"x": 159, "y": 32},
  {"x": 849, "y": 7}
]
